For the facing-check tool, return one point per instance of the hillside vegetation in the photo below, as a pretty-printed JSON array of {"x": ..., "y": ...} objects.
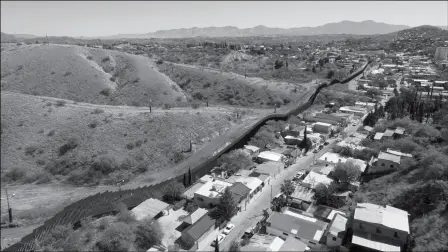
[
  {"x": 85, "y": 75},
  {"x": 230, "y": 89},
  {"x": 46, "y": 139}
]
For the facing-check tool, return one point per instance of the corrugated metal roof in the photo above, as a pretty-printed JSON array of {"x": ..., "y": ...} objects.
[
  {"x": 338, "y": 225},
  {"x": 303, "y": 193},
  {"x": 149, "y": 208},
  {"x": 378, "y": 136},
  {"x": 390, "y": 157},
  {"x": 313, "y": 179},
  {"x": 306, "y": 229},
  {"x": 198, "y": 229},
  {"x": 388, "y": 133},
  {"x": 270, "y": 155},
  {"x": 387, "y": 216},
  {"x": 376, "y": 245},
  {"x": 196, "y": 215}
]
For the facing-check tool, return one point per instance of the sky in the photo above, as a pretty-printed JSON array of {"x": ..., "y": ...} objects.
[{"x": 102, "y": 18}]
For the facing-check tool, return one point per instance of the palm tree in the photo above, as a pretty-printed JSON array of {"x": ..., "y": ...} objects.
[
  {"x": 216, "y": 245},
  {"x": 287, "y": 188}
]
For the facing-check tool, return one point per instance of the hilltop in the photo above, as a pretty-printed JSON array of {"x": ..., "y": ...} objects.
[
  {"x": 85, "y": 75},
  {"x": 424, "y": 39}
]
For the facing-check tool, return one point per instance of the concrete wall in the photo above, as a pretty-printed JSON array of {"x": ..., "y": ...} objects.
[{"x": 385, "y": 231}]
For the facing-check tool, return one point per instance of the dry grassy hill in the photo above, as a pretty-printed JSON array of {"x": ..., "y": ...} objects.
[
  {"x": 227, "y": 88},
  {"x": 85, "y": 75},
  {"x": 132, "y": 140}
]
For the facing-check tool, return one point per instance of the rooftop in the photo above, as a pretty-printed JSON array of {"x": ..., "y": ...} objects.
[
  {"x": 213, "y": 189},
  {"x": 195, "y": 216},
  {"x": 390, "y": 157},
  {"x": 303, "y": 193},
  {"x": 378, "y": 136},
  {"x": 388, "y": 133},
  {"x": 199, "y": 228},
  {"x": 250, "y": 182},
  {"x": 338, "y": 225},
  {"x": 387, "y": 216},
  {"x": 239, "y": 191},
  {"x": 375, "y": 242},
  {"x": 293, "y": 244},
  {"x": 269, "y": 168},
  {"x": 313, "y": 179},
  {"x": 324, "y": 212},
  {"x": 149, "y": 208},
  {"x": 332, "y": 158},
  {"x": 299, "y": 225},
  {"x": 323, "y": 124},
  {"x": 251, "y": 148},
  {"x": 263, "y": 243},
  {"x": 270, "y": 155},
  {"x": 398, "y": 153}
]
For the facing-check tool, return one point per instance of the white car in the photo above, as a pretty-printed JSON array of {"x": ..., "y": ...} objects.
[
  {"x": 220, "y": 237},
  {"x": 228, "y": 228}
]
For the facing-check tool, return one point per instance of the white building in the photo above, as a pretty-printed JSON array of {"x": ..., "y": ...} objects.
[
  {"x": 210, "y": 193},
  {"x": 267, "y": 156},
  {"x": 313, "y": 179},
  {"x": 335, "y": 232}
]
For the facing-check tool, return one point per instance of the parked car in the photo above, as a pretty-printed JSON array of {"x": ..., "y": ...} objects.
[
  {"x": 228, "y": 228},
  {"x": 220, "y": 237},
  {"x": 315, "y": 151},
  {"x": 249, "y": 232}
]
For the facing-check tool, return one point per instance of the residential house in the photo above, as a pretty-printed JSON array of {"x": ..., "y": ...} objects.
[
  {"x": 385, "y": 162},
  {"x": 369, "y": 105},
  {"x": 380, "y": 228},
  {"x": 388, "y": 134},
  {"x": 378, "y": 136},
  {"x": 293, "y": 244},
  {"x": 324, "y": 213},
  {"x": 189, "y": 193},
  {"x": 340, "y": 198},
  {"x": 210, "y": 193},
  {"x": 253, "y": 150},
  {"x": 399, "y": 132},
  {"x": 292, "y": 140},
  {"x": 252, "y": 183},
  {"x": 196, "y": 234},
  {"x": 343, "y": 117},
  {"x": 331, "y": 158},
  {"x": 336, "y": 230},
  {"x": 355, "y": 110},
  {"x": 270, "y": 168},
  {"x": 306, "y": 229},
  {"x": 300, "y": 196},
  {"x": 267, "y": 156},
  {"x": 322, "y": 127},
  {"x": 150, "y": 208},
  {"x": 398, "y": 153},
  {"x": 195, "y": 216},
  {"x": 240, "y": 193},
  {"x": 261, "y": 243},
  {"x": 313, "y": 179}
]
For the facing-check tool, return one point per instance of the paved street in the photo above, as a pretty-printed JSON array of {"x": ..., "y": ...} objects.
[{"x": 254, "y": 210}]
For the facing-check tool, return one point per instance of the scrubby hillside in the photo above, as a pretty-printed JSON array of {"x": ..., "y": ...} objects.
[
  {"x": 230, "y": 89},
  {"x": 45, "y": 139},
  {"x": 85, "y": 75}
]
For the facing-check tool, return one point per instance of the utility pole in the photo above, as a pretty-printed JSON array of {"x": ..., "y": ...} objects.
[
  {"x": 9, "y": 208},
  {"x": 271, "y": 193}
]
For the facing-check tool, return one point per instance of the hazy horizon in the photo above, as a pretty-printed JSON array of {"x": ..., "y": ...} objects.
[{"x": 95, "y": 19}]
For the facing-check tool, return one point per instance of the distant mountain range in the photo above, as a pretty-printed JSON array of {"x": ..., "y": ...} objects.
[
  {"x": 344, "y": 27},
  {"x": 368, "y": 27}
]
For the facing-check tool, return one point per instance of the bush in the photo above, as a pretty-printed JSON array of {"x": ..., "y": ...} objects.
[
  {"x": 179, "y": 205},
  {"x": 60, "y": 103},
  {"x": 167, "y": 106},
  {"x": 89, "y": 57},
  {"x": 30, "y": 150},
  {"x": 130, "y": 146},
  {"x": 172, "y": 191},
  {"x": 93, "y": 124},
  {"x": 67, "y": 73},
  {"x": 70, "y": 145},
  {"x": 178, "y": 157},
  {"x": 105, "y": 59},
  {"x": 195, "y": 105},
  {"x": 124, "y": 215},
  {"x": 106, "y": 91},
  {"x": 148, "y": 234},
  {"x": 13, "y": 175},
  {"x": 179, "y": 98},
  {"x": 98, "y": 111},
  {"x": 117, "y": 237},
  {"x": 159, "y": 62}
]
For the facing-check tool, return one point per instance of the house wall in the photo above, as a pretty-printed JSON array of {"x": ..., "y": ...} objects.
[
  {"x": 206, "y": 201},
  {"x": 379, "y": 167},
  {"x": 385, "y": 231},
  {"x": 202, "y": 242},
  {"x": 333, "y": 241}
]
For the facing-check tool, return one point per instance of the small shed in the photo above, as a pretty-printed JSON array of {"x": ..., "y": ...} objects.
[{"x": 152, "y": 208}]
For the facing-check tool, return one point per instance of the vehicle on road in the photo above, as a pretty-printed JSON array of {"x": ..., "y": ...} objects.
[
  {"x": 228, "y": 228},
  {"x": 326, "y": 143},
  {"x": 299, "y": 176},
  {"x": 315, "y": 151},
  {"x": 249, "y": 232},
  {"x": 220, "y": 237},
  {"x": 354, "y": 124},
  {"x": 320, "y": 147}
]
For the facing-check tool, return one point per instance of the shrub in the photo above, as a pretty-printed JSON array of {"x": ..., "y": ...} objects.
[
  {"x": 141, "y": 167},
  {"x": 179, "y": 98},
  {"x": 124, "y": 215},
  {"x": 14, "y": 174},
  {"x": 172, "y": 191},
  {"x": 30, "y": 150},
  {"x": 117, "y": 237},
  {"x": 105, "y": 59},
  {"x": 148, "y": 234},
  {"x": 61, "y": 166},
  {"x": 40, "y": 131},
  {"x": 93, "y": 124},
  {"x": 130, "y": 146},
  {"x": 191, "y": 207},
  {"x": 195, "y": 105},
  {"x": 178, "y": 157},
  {"x": 135, "y": 103},
  {"x": 167, "y": 106},
  {"x": 60, "y": 103},
  {"x": 98, "y": 111},
  {"x": 106, "y": 91},
  {"x": 112, "y": 79},
  {"x": 138, "y": 143},
  {"x": 67, "y": 73},
  {"x": 70, "y": 145},
  {"x": 90, "y": 57},
  {"x": 179, "y": 205},
  {"x": 136, "y": 80},
  {"x": 51, "y": 133},
  {"x": 159, "y": 62}
]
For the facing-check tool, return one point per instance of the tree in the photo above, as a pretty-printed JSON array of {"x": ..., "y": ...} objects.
[
  {"x": 234, "y": 161},
  {"x": 305, "y": 143},
  {"x": 216, "y": 245},
  {"x": 287, "y": 188},
  {"x": 189, "y": 176},
  {"x": 396, "y": 92},
  {"x": 373, "y": 93},
  {"x": 323, "y": 193},
  {"x": 346, "y": 172},
  {"x": 234, "y": 247},
  {"x": 185, "y": 180},
  {"x": 117, "y": 237},
  {"x": 278, "y": 64},
  {"x": 226, "y": 209},
  {"x": 330, "y": 74},
  {"x": 147, "y": 234},
  {"x": 314, "y": 69},
  {"x": 172, "y": 191}
]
